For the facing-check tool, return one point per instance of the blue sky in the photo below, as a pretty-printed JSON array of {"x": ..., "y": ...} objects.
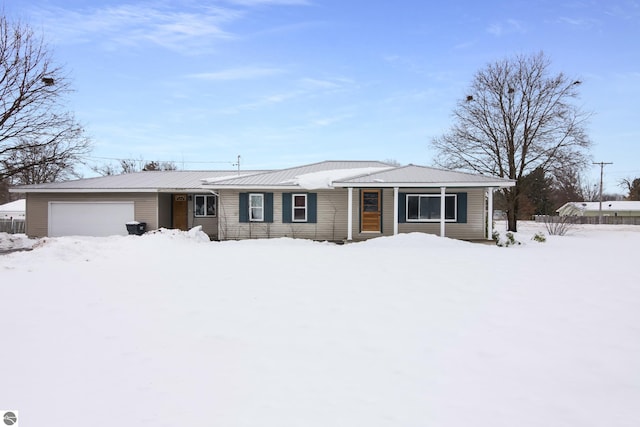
[{"x": 287, "y": 82}]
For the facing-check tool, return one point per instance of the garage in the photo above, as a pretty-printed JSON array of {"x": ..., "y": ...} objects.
[{"x": 89, "y": 218}]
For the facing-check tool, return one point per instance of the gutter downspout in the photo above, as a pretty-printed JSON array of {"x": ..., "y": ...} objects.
[
  {"x": 442, "y": 211},
  {"x": 395, "y": 211},
  {"x": 489, "y": 213},
  {"x": 350, "y": 214}
]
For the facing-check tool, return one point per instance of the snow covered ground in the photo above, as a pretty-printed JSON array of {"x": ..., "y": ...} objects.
[{"x": 169, "y": 329}]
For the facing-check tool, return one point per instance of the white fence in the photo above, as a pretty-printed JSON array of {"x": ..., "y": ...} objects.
[
  {"x": 12, "y": 225},
  {"x": 617, "y": 220}
]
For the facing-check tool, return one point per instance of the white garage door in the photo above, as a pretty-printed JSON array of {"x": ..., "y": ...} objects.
[{"x": 89, "y": 218}]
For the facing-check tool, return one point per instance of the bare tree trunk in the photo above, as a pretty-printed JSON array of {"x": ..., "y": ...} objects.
[{"x": 513, "y": 205}]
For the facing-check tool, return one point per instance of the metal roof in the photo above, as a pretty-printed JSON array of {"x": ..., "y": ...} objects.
[
  {"x": 418, "y": 176},
  {"x": 148, "y": 181},
  {"x": 350, "y": 173},
  {"x": 286, "y": 177}
]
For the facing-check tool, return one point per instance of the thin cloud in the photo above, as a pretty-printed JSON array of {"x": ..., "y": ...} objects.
[
  {"x": 510, "y": 26},
  {"x": 189, "y": 31},
  {"x": 306, "y": 88},
  {"x": 579, "y": 23},
  {"x": 328, "y": 121},
  {"x": 270, "y": 2},
  {"x": 242, "y": 73}
]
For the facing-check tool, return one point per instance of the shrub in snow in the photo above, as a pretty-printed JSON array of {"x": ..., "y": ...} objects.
[
  {"x": 539, "y": 237},
  {"x": 559, "y": 225},
  {"x": 508, "y": 240}
]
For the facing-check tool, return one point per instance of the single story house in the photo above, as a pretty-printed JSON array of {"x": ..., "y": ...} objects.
[
  {"x": 331, "y": 200},
  {"x": 13, "y": 210},
  {"x": 611, "y": 208}
]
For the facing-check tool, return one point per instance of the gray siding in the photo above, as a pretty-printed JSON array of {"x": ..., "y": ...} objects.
[
  {"x": 474, "y": 228},
  {"x": 164, "y": 210},
  {"x": 332, "y": 218},
  {"x": 331, "y": 225},
  {"x": 209, "y": 224},
  {"x": 145, "y": 207}
]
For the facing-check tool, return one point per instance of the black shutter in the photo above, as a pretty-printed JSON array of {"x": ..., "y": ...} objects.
[
  {"x": 286, "y": 208},
  {"x": 462, "y": 208},
  {"x": 244, "y": 207},
  {"x": 312, "y": 208},
  {"x": 268, "y": 207},
  {"x": 402, "y": 207}
]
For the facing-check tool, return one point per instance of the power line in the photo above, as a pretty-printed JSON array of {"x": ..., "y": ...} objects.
[{"x": 161, "y": 161}]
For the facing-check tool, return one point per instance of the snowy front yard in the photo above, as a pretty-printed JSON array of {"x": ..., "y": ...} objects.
[{"x": 170, "y": 329}]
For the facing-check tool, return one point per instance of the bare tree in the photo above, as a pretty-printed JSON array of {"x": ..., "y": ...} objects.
[
  {"x": 35, "y": 129},
  {"x": 516, "y": 118},
  {"x": 160, "y": 166},
  {"x": 132, "y": 165},
  {"x": 632, "y": 186}
]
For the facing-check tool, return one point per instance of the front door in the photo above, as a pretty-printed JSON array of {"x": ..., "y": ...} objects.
[
  {"x": 371, "y": 212},
  {"x": 180, "y": 211}
]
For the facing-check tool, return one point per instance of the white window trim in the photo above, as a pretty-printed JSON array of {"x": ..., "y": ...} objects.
[
  {"x": 294, "y": 207},
  {"x": 455, "y": 207},
  {"x": 195, "y": 211},
  {"x": 261, "y": 196}
]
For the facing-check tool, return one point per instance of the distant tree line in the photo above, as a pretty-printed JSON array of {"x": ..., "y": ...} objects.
[
  {"x": 542, "y": 193},
  {"x": 130, "y": 166}
]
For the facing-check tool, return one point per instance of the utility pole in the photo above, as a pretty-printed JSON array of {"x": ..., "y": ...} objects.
[
  {"x": 601, "y": 176},
  {"x": 237, "y": 163}
]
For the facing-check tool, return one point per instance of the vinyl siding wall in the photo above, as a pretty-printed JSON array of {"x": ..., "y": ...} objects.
[
  {"x": 145, "y": 207},
  {"x": 332, "y": 217},
  {"x": 331, "y": 214},
  {"x": 209, "y": 224},
  {"x": 164, "y": 210},
  {"x": 473, "y": 229}
]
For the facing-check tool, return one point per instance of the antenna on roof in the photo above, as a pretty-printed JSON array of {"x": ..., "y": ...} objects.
[{"x": 237, "y": 163}]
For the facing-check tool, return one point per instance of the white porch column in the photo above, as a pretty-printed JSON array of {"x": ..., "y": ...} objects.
[
  {"x": 490, "y": 213},
  {"x": 442, "y": 213},
  {"x": 395, "y": 211},
  {"x": 350, "y": 213}
]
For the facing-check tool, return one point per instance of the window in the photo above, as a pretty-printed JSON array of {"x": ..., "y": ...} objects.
[
  {"x": 204, "y": 205},
  {"x": 299, "y": 206},
  {"x": 256, "y": 207},
  {"x": 426, "y": 207}
]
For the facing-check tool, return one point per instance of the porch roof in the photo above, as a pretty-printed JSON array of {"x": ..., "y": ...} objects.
[{"x": 422, "y": 176}]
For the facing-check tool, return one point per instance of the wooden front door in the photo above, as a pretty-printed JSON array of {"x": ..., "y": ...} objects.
[
  {"x": 371, "y": 211},
  {"x": 180, "y": 211}
]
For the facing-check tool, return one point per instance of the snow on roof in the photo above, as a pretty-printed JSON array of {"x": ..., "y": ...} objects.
[
  {"x": 215, "y": 179},
  {"x": 614, "y": 205},
  {"x": 15, "y": 206},
  {"x": 290, "y": 177},
  {"x": 325, "y": 179}
]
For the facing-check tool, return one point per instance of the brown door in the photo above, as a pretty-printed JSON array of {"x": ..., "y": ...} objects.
[
  {"x": 180, "y": 209},
  {"x": 371, "y": 213}
]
